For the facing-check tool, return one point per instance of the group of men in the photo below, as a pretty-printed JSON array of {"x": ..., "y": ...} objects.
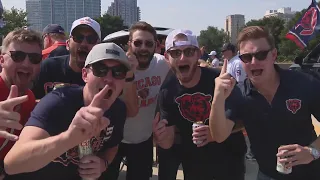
[{"x": 122, "y": 102}]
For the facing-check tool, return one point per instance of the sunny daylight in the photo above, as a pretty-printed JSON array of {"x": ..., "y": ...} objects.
[{"x": 159, "y": 90}]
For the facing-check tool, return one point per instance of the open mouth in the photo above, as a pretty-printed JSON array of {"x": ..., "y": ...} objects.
[
  {"x": 83, "y": 54},
  {"x": 23, "y": 75},
  {"x": 257, "y": 72},
  {"x": 108, "y": 95},
  {"x": 184, "y": 68}
]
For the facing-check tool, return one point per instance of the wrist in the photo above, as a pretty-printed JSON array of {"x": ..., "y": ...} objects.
[{"x": 314, "y": 152}]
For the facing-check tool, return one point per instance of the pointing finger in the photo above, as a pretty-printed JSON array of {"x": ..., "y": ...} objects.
[
  {"x": 224, "y": 67},
  {"x": 9, "y": 104},
  {"x": 9, "y": 136},
  {"x": 99, "y": 98},
  {"x": 13, "y": 92}
]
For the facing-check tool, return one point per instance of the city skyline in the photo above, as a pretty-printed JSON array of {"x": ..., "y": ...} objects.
[{"x": 195, "y": 16}]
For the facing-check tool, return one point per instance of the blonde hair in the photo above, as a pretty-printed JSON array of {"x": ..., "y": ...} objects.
[
  {"x": 255, "y": 32},
  {"x": 21, "y": 35}
]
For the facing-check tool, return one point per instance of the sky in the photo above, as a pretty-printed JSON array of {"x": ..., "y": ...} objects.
[{"x": 195, "y": 15}]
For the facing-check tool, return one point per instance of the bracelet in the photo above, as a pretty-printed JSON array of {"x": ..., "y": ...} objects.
[{"x": 106, "y": 163}]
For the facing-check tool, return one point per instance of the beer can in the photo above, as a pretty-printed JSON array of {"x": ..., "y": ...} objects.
[
  {"x": 85, "y": 149},
  {"x": 194, "y": 126},
  {"x": 58, "y": 86},
  {"x": 281, "y": 166}
]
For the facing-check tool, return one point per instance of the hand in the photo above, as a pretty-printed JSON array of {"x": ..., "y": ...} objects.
[
  {"x": 202, "y": 133},
  {"x": 91, "y": 167},
  {"x": 132, "y": 61},
  {"x": 293, "y": 155},
  {"x": 8, "y": 117},
  {"x": 159, "y": 128},
  {"x": 89, "y": 121},
  {"x": 225, "y": 82}
]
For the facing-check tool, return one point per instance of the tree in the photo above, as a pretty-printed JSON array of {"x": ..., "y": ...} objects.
[
  {"x": 13, "y": 18},
  {"x": 212, "y": 38},
  {"x": 275, "y": 26},
  {"x": 110, "y": 24}
]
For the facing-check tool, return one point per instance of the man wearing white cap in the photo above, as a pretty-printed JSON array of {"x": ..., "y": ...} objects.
[
  {"x": 84, "y": 34},
  {"x": 215, "y": 60},
  {"x": 68, "y": 116},
  {"x": 185, "y": 100}
]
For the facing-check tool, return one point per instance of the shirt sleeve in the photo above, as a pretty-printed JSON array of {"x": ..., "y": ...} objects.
[
  {"x": 234, "y": 104},
  {"x": 118, "y": 116},
  {"x": 46, "y": 114},
  {"x": 165, "y": 107},
  {"x": 240, "y": 74}
]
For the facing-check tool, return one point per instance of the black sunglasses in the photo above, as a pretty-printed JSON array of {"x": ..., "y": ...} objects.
[
  {"x": 19, "y": 56},
  {"x": 260, "y": 56},
  {"x": 91, "y": 39},
  {"x": 147, "y": 43},
  {"x": 176, "y": 53},
  {"x": 99, "y": 69}
]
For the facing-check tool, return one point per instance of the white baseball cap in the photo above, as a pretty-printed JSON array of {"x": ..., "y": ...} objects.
[
  {"x": 191, "y": 39},
  {"x": 106, "y": 51},
  {"x": 212, "y": 53},
  {"x": 89, "y": 22}
]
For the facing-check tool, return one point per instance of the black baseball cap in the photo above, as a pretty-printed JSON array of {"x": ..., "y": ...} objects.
[
  {"x": 228, "y": 46},
  {"x": 53, "y": 28}
]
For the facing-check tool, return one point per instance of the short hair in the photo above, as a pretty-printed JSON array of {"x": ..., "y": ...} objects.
[
  {"x": 57, "y": 36},
  {"x": 22, "y": 35},
  {"x": 255, "y": 32},
  {"x": 142, "y": 26}
]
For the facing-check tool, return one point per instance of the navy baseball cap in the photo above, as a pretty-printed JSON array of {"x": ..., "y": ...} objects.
[
  {"x": 53, "y": 28},
  {"x": 228, "y": 46}
]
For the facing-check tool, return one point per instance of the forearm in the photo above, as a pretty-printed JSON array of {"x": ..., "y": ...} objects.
[
  {"x": 131, "y": 99},
  {"x": 219, "y": 128},
  {"x": 39, "y": 153}
]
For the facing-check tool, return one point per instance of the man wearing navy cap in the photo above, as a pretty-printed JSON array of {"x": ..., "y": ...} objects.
[{"x": 54, "y": 40}]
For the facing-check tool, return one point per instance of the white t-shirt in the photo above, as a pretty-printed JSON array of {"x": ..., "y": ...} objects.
[
  {"x": 236, "y": 70},
  {"x": 215, "y": 62},
  {"x": 139, "y": 129}
]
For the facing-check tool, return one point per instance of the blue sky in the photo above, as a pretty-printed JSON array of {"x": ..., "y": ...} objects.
[{"x": 196, "y": 15}]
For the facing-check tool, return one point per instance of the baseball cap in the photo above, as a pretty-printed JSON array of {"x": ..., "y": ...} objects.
[
  {"x": 191, "y": 39},
  {"x": 106, "y": 51},
  {"x": 212, "y": 53},
  {"x": 228, "y": 46},
  {"x": 53, "y": 28},
  {"x": 89, "y": 22}
]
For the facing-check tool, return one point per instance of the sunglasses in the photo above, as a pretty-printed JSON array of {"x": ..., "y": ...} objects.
[
  {"x": 260, "y": 56},
  {"x": 176, "y": 53},
  {"x": 19, "y": 56},
  {"x": 101, "y": 70},
  {"x": 147, "y": 43},
  {"x": 79, "y": 38}
]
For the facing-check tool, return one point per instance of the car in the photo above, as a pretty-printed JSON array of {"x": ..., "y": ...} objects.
[{"x": 122, "y": 37}]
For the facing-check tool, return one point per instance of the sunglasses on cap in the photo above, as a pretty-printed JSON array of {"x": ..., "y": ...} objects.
[
  {"x": 99, "y": 69},
  {"x": 19, "y": 56},
  {"x": 260, "y": 56},
  {"x": 91, "y": 39},
  {"x": 176, "y": 53},
  {"x": 147, "y": 43}
]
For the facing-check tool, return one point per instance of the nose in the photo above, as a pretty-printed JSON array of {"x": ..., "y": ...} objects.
[
  {"x": 254, "y": 60},
  {"x": 26, "y": 62},
  {"x": 108, "y": 78}
]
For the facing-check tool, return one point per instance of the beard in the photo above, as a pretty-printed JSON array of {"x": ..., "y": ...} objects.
[
  {"x": 80, "y": 55},
  {"x": 144, "y": 58},
  {"x": 190, "y": 73}
]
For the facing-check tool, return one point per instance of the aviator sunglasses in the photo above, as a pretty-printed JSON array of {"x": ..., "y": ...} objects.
[
  {"x": 91, "y": 39},
  {"x": 147, "y": 43},
  {"x": 99, "y": 69},
  {"x": 260, "y": 56},
  {"x": 176, "y": 53},
  {"x": 19, "y": 56}
]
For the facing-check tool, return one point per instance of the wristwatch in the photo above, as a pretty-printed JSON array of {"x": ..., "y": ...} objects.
[
  {"x": 314, "y": 152},
  {"x": 130, "y": 79}
]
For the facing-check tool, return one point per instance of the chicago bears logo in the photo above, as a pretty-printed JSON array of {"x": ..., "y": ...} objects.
[
  {"x": 144, "y": 93},
  {"x": 194, "y": 107},
  {"x": 293, "y": 105},
  {"x": 308, "y": 22}
]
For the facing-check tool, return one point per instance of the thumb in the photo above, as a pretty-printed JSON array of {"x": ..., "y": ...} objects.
[
  {"x": 13, "y": 92},
  {"x": 156, "y": 120}
]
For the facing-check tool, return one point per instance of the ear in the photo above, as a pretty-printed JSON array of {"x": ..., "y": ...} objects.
[
  {"x": 85, "y": 74},
  {"x": 274, "y": 54},
  {"x": 166, "y": 55},
  {"x": 68, "y": 44},
  {"x": 1, "y": 60}
]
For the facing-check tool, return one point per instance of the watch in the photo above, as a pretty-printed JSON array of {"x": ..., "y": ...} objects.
[
  {"x": 130, "y": 79},
  {"x": 314, "y": 152}
]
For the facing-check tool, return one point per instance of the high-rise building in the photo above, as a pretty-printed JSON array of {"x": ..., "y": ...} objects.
[
  {"x": 233, "y": 25},
  {"x": 63, "y": 12},
  {"x": 283, "y": 13},
  {"x": 128, "y": 10}
]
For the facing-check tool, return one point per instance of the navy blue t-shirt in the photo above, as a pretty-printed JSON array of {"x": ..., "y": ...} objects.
[
  {"x": 54, "y": 71},
  {"x": 183, "y": 106},
  {"x": 286, "y": 120},
  {"x": 54, "y": 113}
]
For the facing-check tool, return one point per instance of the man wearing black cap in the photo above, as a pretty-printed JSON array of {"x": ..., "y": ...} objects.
[
  {"x": 54, "y": 41},
  {"x": 234, "y": 67}
]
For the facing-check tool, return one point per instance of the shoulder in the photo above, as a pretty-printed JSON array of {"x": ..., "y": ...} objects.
[
  {"x": 210, "y": 72},
  {"x": 54, "y": 60},
  {"x": 171, "y": 81},
  {"x": 69, "y": 92},
  {"x": 160, "y": 60},
  {"x": 118, "y": 108}
]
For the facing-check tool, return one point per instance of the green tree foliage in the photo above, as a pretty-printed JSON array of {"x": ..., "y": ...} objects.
[
  {"x": 14, "y": 18},
  {"x": 212, "y": 38},
  {"x": 109, "y": 24}
]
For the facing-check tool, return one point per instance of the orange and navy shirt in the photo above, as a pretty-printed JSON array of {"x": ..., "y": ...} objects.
[
  {"x": 57, "y": 49},
  {"x": 25, "y": 110}
]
